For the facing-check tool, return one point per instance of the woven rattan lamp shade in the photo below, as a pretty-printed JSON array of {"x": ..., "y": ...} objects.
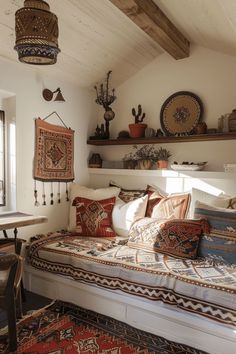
[{"x": 36, "y": 33}]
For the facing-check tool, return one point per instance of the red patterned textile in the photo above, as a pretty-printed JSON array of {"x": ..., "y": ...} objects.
[
  {"x": 94, "y": 217},
  {"x": 178, "y": 238},
  {"x": 54, "y": 156},
  {"x": 63, "y": 328}
]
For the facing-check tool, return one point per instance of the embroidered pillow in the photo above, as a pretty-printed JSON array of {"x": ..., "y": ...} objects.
[
  {"x": 154, "y": 199},
  {"x": 172, "y": 206},
  {"x": 124, "y": 214},
  {"x": 94, "y": 217},
  {"x": 77, "y": 190},
  {"x": 127, "y": 195},
  {"x": 178, "y": 238},
  {"x": 220, "y": 242}
]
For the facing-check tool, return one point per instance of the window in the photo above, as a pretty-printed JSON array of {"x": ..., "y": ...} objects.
[{"x": 2, "y": 159}]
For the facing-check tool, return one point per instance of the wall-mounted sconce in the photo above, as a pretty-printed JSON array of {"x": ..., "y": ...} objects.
[{"x": 48, "y": 95}]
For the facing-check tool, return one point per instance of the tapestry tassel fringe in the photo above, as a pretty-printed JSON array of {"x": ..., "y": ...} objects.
[
  {"x": 52, "y": 195},
  {"x": 36, "y": 203},
  {"x": 44, "y": 195},
  {"x": 59, "y": 193},
  {"x": 67, "y": 193}
]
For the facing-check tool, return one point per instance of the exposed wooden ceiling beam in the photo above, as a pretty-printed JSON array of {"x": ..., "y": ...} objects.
[{"x": 149, "y": 17}]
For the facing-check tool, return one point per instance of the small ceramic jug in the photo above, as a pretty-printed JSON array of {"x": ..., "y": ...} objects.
[{"x": 201, "y": 128}]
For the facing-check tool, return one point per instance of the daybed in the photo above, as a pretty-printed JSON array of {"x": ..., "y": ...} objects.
[{"x": 192, "y": 301}]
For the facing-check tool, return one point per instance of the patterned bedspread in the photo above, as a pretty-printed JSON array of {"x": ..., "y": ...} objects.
[{"x": 200, "y": 286}]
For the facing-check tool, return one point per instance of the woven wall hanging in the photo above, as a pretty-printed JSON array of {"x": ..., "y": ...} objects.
[{"x": 53, "y": 158}]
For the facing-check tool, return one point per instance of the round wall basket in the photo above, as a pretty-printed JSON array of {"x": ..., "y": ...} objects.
[{"x": 180, "y": 113}]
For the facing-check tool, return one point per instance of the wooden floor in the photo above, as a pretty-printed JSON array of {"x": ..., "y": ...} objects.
[{"x": 32, "y": 302}]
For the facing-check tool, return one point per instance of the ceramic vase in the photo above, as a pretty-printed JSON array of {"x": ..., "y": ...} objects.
[{"x": 144, "y": 164}]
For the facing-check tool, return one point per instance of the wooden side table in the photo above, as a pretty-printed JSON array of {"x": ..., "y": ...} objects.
[{"x": 15, "y": 219}]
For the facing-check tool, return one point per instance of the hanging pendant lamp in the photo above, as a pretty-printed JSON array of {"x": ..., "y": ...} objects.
[{"x": 36, "y": 33}]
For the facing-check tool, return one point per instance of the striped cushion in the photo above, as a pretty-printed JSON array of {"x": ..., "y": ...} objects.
[{"x": 220, "y": 243}]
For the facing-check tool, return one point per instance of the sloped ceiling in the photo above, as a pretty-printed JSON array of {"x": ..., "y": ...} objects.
[
  {"x": 96, "y": 37},
  {"x": 209, "y": 23}
]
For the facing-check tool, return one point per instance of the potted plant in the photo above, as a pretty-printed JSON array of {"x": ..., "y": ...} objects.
[
  {"x": 137, "y": 129},
  {"x": 162, "y": 158},
  {"x": 142, "y": 158}
]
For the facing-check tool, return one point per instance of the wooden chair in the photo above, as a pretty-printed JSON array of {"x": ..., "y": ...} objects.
[
  {"x": 11, "y": 268},
  {"x": 13, "y": 245}
]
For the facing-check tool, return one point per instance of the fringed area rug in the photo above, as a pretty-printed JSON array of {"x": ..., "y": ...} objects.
[{"x": 63, "y": 328}]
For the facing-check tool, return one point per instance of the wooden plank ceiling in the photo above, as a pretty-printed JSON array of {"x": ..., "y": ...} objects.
[
  {"x": 95, "y": 36},
  {"x": 149, "y": 17}
]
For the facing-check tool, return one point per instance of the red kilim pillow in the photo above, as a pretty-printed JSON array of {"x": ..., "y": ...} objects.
[
  {"x": 178, "y": 238},
  {"x": 94, "y": 217}
]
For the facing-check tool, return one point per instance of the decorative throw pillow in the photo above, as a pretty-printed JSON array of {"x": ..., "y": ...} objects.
[
  {"x": 222, "y": 200},
  {"x": 94, "y": 217},
  {"x": 77, "y": 190},
  {"x": 178, "y": 238},
  {"x": 220, "y": 242},
  {"x": 172, "y": 206},
  {"x": 127, "y": 195},
  {"x": 124, "y": 214},
  {"x": 154, "y": 199}
]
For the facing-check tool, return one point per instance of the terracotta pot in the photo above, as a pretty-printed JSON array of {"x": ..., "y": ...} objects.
[
  {"x": 137, "y": 130},
  {"x": 144, "y": 164},
  {"x": 162, "y": 164}
]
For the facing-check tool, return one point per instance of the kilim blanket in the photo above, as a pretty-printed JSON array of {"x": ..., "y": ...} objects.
[
  {"x": 63, "y": 328},
  {"x": 54, "y": 152}
]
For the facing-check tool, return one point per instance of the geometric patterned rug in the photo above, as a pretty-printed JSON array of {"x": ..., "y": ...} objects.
[{"x": 63, "y": 328}]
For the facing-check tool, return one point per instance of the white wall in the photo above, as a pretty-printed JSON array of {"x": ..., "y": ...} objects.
[
  {"x": 209, "y": 74},
  {"x": 27, "y": 84}
]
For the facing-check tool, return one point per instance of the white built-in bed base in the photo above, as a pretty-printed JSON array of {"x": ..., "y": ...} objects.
[{"x": 155, "y": 317}]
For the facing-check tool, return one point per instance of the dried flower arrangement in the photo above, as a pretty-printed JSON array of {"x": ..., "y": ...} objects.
[
  {"x": 145, "y": 152},
  {"x": 163, "y": 154}
]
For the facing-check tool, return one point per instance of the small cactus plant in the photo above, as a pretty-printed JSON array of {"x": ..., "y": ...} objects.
[{"x": 139, "y": 116}]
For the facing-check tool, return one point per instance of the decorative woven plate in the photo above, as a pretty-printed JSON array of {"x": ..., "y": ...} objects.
[{"x": 180, "y": 113}]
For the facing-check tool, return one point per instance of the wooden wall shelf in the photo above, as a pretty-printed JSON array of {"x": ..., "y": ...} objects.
[
  {"x": 163, "y": 173},
  {"x": 164, "y": 139}
]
